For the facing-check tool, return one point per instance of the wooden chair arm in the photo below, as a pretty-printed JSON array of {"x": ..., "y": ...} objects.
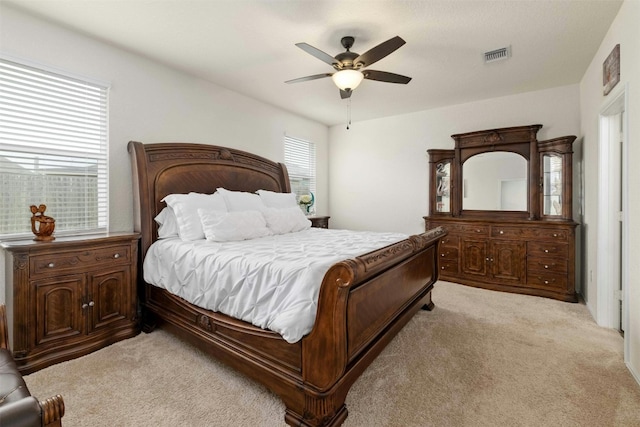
[{"x": 52, "y": 411}]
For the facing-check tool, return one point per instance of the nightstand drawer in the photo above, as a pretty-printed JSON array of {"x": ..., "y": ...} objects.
[
  {"x": 319, "y": 221},
  {"x": 54, "y": 263}
]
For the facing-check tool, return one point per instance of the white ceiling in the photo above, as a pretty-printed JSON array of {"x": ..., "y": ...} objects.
[{"x": 249, "y": 45}]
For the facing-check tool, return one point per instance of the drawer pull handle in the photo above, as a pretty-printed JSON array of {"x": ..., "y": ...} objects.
[
  {"x": 546, "y": 251},
  {"x": 91, "y": 303},
  {"x": 442, "y": 255},
  {"x": 116, "y": 256},
  {"x": 85, "y": 305},
  {"x": 501, "y": 232},
  {"x": 546, "y": 266},
  {"x": 51, "y": 265},
  {"x": 441, "y": 268},
  {"x": 555, "y": 234},
  {"x": 546, "y": 282},
  {"x": 477, "y": 231}
]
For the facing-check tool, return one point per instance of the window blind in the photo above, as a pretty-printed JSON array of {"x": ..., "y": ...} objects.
[
  {"x": 300, "y": 159},
  {"x": 53, "y": 150}
]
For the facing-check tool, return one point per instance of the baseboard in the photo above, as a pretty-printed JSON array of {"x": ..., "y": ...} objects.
[{"x": 634, "y": 374}]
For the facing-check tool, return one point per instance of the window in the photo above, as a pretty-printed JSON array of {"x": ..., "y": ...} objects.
[
  {"x": 300, "y": 158},
  {"x": 53, "y": 150}
]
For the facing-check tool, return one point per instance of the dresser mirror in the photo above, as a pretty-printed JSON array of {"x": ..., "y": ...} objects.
[{"x": 495, "y": 181}]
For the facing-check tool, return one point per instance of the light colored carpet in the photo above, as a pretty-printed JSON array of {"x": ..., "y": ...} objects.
[{"x": 481, "y": 358}]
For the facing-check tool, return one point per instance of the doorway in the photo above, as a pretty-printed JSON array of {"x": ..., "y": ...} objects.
[{"x": 612, "y": 216}]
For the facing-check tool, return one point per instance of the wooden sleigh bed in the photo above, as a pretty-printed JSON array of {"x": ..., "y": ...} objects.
[{"x": 363, "y": 302}]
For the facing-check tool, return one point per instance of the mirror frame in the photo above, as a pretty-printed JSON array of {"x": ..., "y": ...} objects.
[{"x": 521, "y": 140}]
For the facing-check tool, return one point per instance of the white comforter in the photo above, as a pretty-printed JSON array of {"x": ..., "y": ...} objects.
[{"x": 272, "y": 282}]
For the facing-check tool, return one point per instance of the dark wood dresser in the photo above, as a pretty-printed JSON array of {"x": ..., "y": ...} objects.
[
  {"x": 506, "y": 200},
  {"x": 71, "y": 296}
]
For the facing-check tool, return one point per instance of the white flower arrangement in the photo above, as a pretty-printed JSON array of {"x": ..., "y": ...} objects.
[{"x": 306, "y": 201}]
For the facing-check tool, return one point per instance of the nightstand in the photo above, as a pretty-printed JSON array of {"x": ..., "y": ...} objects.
[
  {"x": 319, "y": 221},
  {"x": 71, "y": 296}
]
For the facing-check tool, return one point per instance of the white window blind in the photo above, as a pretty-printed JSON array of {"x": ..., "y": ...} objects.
[
  {"x": 53, "y": 150},
  {"x": 300, "y": 159}
]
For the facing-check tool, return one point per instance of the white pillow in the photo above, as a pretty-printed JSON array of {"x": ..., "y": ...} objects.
[
  {"x": 289, "y": 220},
  {"x": 232, "y": 226},
  {"x": 241, "y": 201},
  {"x": 167, "y": 223},
  {"x": 185, "y": 207},
  {"x": 278, "y": 200}
]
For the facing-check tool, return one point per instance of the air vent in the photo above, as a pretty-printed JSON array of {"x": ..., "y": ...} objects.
[{"x": 497, "y": 55}]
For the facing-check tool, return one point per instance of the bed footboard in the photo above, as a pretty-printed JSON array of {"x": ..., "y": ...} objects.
[{"x": 364, "y": 302}]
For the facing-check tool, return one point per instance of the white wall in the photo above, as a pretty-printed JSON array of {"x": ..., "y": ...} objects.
[
  {"x": 626, "y": 32},
  {"x": 149, "y": 102},
  {"x": 379, "y": 168}
]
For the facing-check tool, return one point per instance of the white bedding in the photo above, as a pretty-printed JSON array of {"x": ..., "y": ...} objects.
[{"x": 272, "y": 282}]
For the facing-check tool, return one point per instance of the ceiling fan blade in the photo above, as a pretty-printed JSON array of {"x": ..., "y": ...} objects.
[
  {"x": 322, "y": 56},
  {"x": 383, "y": 76},
  {"x": 377, "y": 53},
  {"x": 314, "y": 77},
  {"x": 344, "y": 94}
]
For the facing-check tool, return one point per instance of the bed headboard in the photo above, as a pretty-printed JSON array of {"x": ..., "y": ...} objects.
[{"x": 176, "y": 168}]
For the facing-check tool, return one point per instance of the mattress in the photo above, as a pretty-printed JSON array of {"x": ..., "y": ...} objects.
[{"x": 272, "y": 282}]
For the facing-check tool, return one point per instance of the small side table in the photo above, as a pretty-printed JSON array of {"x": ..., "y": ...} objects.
[{"x": 319, "y": 221}]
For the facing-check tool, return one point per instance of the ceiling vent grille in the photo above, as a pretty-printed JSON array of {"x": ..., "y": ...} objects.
[{"x": 497, "y": 55}]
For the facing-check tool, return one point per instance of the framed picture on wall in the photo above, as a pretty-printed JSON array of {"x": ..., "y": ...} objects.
[{"x": 611, "y": 70}]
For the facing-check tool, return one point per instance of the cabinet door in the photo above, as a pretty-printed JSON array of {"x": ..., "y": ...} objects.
[
  {"x": 58, "y": 305},
  {"x": 474, "y": 257},
  {"x": 508, "y": 261},
  {"x": 109, "y": 298}
]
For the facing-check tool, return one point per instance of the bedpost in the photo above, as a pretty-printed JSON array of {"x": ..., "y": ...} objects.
[{"x": 141, "y": 197}]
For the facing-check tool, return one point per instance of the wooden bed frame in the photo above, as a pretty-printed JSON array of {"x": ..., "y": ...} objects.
[{"x": 362, "y": 305}]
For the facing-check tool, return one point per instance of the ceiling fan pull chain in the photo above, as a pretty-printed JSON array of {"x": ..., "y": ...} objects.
[{"x": 349, "y": 114}]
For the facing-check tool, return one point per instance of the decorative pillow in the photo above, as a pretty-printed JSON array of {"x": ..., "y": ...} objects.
[
  {"x": 167, "y": 223},
  {"x": 278, "y": 200},
  {"x": 282, "y": 221},
  {"x": 232, "y": 226},
  {"x": 241, "y": 201},
  {"x": 185, "y": 207}
]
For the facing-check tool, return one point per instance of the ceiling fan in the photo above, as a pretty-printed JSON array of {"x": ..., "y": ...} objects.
[{"x": 350, "y": 66}]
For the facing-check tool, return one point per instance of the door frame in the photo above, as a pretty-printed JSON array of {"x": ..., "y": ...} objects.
[{"x": 607, "y": 310}]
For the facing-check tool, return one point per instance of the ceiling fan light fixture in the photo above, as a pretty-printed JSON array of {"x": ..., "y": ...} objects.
[{"x": 347, "y": 79}]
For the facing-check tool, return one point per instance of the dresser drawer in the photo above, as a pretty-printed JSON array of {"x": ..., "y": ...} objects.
[
  {"x": 546, "y": 280},
  {"x": 468, "y": 229},
  {"x": 448, "y": 267},
  {"x": 449, "y": 241},
  {"x": 553, "y": 265},
  {"x": 82, "y": 260},
  {"x": 530, "y": 233},
  {"x": 448, "y": 253},
  {"x": 545, "y": 249}
]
